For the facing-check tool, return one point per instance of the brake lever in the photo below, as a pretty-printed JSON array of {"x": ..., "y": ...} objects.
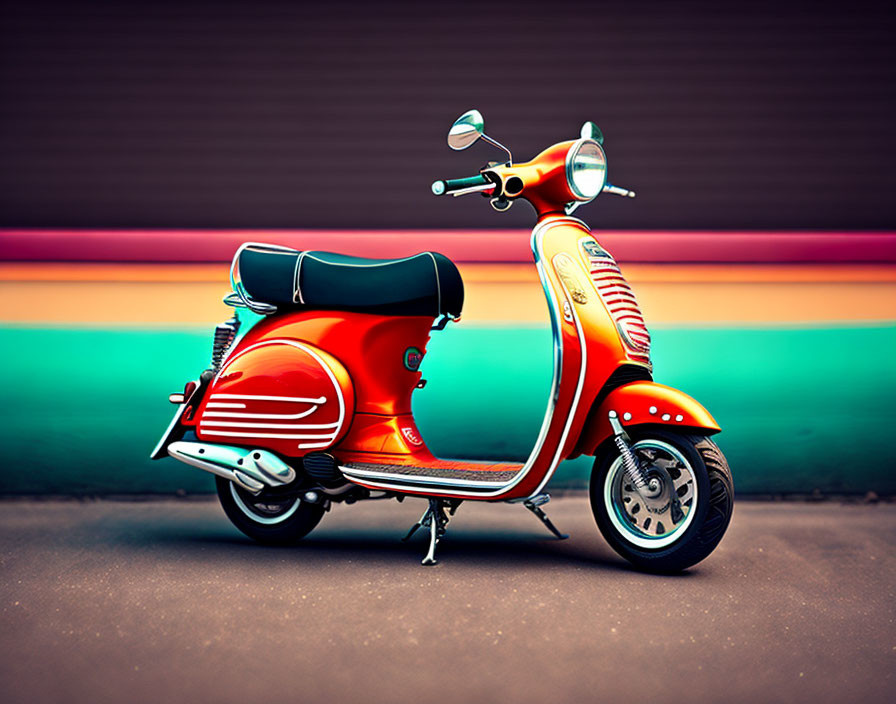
[
  {"x": 473, "y": 189},
  {"x": 618, "y": 191}
]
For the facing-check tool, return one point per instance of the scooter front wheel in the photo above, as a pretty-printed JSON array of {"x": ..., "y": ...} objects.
[
  {"x": 268, "y": 519},
  {"x": 681, "y": 517}
]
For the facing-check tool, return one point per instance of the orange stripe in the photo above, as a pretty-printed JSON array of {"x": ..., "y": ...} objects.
[
  {"x": 60, "y": 271},
  {"x": 190, "y": 294}
]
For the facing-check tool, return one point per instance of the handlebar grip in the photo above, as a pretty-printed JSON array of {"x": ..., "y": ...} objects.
[{"x": 448, "y": 185}]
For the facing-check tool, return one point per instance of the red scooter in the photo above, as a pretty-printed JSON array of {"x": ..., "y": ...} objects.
[{"x": 313, "y": 404}]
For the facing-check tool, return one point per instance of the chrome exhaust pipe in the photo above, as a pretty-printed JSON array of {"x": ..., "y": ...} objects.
[{"x": 251, "y": 470}]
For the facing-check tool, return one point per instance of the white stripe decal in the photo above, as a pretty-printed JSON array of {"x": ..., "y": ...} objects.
[
  {"x": 275, "y": 426},
  {"x": 316, "y": 401},
  {"x": 288, "y": 436},
  {"x": 269, "y": 416},
  {"x": 290, "y": 399}
]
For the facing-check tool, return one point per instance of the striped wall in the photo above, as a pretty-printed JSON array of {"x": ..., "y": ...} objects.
[
  {"x": 277, "y": 113},
  {"x": 788, "y": 339}
]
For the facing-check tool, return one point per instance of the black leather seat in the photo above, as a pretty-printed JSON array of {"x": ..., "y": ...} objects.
[{"x": 424, "y": 284}]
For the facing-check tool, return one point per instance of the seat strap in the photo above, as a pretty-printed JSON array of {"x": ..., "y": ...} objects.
[{"x": 297, "y": 285}]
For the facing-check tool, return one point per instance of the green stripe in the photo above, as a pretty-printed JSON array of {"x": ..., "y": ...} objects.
[{"x": 800, "y": 408}]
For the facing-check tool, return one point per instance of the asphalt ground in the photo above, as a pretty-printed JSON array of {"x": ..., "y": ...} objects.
[{"x": 164, "y": 601}]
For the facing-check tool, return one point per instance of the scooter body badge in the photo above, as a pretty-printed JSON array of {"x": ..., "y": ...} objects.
[
  {"x": 412, "y": 359},
  {"x": 593, "y": 249},
  {"x": 568, "y": 272},
  {"x": 411, "y": 436}
]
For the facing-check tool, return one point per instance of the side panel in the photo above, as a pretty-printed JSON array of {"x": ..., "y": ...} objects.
[
  {"x": 279, "y": 394},
  {"x": 642, "y": 402},
  {"x": 381, "y": 353}
]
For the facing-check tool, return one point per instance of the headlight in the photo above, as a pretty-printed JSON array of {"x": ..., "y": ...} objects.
[{"x": 586, "y": 169}]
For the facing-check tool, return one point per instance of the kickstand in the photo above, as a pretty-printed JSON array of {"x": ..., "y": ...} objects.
[
  {"x": 436, "y": 519},
  {"x": 534, "y": 505}
]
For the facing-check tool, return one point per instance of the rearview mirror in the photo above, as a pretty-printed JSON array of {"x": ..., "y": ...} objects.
[
  {"x": 466, "y": 130},
  {"x": 592, "y": 131}
]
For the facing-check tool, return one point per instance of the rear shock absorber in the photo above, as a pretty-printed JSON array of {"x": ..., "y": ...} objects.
[{"x": 225, "y": 334}]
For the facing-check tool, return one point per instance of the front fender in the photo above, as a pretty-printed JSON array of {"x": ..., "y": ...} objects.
[{"x": 642, "y": 402}]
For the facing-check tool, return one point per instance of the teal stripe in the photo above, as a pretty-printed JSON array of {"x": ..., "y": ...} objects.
[{"x": 800, "y": 408}]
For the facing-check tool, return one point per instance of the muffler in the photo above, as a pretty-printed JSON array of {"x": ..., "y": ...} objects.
[{"x": 252, "y": 470}]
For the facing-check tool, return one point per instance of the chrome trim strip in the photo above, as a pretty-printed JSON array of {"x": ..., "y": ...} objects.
[
  {"x": 419, "y": 478},
  {"x": 583, "y": 368},
  {"x": 418, "y": 484},
  {"x": 237, "y": 285}
]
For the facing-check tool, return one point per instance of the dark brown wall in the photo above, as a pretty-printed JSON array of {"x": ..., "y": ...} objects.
[{"x": 271, "y": 114}]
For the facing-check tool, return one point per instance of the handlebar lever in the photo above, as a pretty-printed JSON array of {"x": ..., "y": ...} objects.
[
  {"x": 618, "y": 191},
  {"x": 473, "y": 189}
]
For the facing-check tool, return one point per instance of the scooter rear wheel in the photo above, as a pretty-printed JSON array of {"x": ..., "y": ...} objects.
[
  {"x": 682, "y": 519},
  {"x": 268, "y": 520}
]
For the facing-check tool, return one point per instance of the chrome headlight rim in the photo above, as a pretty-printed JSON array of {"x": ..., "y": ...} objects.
[{"x": 570, "y": 163}]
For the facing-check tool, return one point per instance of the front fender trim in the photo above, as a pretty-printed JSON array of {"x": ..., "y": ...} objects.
[{"x": 645, "y": 402}]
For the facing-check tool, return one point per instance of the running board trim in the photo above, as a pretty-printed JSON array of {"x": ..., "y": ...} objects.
[{"x": 412, "y": 483}]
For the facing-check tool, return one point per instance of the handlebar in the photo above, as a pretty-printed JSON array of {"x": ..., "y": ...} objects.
[
  {"x": 473, "y": 184},
  {"x": 451, "y": 185}
]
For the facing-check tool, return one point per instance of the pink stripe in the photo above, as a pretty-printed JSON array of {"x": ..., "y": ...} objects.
[{"x": 462, "y": 246}]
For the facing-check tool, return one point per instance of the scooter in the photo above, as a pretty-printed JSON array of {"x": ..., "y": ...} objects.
[{"x": 312, "y": 405}]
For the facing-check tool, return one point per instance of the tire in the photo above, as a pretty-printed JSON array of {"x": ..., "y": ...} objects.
[
  {"x": 633, "y": 525},
  {"x": 291, "y": 521}
]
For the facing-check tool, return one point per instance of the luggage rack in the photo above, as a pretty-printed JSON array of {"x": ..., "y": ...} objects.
[{"x": 239, "y": 297}]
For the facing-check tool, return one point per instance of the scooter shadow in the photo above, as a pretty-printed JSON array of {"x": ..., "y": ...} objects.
[
  {"x": 471, "y": 548},
  {"x": 383, "y": 546}
]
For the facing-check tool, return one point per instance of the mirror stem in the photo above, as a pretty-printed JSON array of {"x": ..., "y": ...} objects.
[{"x": 499, "y": 146}]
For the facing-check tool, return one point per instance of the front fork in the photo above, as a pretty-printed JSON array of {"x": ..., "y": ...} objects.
[
  {"x": 633, "y": 469},
  {"x": 648, "y": 484}
]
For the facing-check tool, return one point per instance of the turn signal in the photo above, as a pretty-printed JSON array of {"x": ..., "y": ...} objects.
[{"x": 189, "y": 388}]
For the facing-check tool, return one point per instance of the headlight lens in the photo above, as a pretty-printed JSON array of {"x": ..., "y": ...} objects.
[{"x": 586, "y": 169}]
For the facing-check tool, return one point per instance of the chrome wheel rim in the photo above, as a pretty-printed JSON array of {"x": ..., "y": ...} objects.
[
  {"x": 652, "y": 522},
  {"x": 264, "y": 512}
]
